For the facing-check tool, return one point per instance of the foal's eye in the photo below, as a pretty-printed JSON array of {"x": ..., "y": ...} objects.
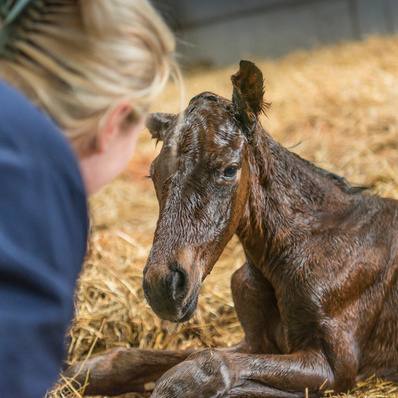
[{"x": 229, "y": 173}]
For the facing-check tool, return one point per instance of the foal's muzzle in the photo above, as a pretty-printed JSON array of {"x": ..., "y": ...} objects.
[{"x": 166, "y": 290}]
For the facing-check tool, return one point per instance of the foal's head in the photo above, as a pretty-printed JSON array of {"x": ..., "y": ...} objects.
[{"x": 201, "y": 178}]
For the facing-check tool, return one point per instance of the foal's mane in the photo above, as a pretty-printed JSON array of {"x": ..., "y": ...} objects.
[{"x": 341, "y": 182}]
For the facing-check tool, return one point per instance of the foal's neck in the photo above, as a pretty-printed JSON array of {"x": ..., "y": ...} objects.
[{"x": 288, "y": 199}]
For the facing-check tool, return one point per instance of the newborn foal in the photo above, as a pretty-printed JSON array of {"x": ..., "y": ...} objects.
[{"x": 317, "y": 296}]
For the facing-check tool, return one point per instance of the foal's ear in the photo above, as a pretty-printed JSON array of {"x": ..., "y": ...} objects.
[
  {"x": 248, "y": 94},
  {"x": 158, "y": 123}
]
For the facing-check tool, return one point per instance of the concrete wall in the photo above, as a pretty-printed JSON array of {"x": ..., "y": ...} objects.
[{"x": 220, "y": 32}]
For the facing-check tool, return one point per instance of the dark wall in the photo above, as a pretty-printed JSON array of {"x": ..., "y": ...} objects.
[{"x": 220, "y": 32}]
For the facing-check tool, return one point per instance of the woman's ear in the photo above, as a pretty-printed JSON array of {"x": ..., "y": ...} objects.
[{"x": 113, "y": 124}]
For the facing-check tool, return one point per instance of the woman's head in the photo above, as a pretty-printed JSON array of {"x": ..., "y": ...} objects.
[{"x": 80, "y": 59}]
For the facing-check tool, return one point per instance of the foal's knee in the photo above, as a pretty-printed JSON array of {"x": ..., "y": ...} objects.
[
  {"x": 249, "y": 281},
  {"x": 238, "y": 281},
  {"x": 344, "y": 379}
]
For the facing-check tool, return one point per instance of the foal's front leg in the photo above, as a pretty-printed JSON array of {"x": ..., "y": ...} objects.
[
  {"x": 124, "y": 370},
  {"x": 257, "y": 311},
  {"x": 213, "y": 373}
]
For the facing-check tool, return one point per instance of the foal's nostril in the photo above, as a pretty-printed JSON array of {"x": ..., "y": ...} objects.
[{"x": 177, "y": 281}]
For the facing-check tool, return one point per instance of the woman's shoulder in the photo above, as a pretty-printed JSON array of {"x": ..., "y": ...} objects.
[
  {"x": 41, "y": 185},
  {"x": 37, "y": 164},
  {"x": 23, "y": 124},
  {"x": 31, "y": 137}
]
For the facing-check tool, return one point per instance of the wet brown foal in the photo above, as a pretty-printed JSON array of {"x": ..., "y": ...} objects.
[{"x": 317, "y": 296}]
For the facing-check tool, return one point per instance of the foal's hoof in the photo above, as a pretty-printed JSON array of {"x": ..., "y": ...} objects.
[
  {"x": 203, "y": 374},
  {"x": 77, "y": 376}
]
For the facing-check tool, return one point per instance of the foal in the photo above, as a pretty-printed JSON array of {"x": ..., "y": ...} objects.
[{"x": 317, "y": 296}]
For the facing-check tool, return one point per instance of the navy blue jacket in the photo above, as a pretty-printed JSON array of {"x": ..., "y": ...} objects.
[{"x": 43, "y": 233}]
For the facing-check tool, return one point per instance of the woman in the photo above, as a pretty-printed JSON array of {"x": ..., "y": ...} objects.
[{"x": 77, "y": 79}]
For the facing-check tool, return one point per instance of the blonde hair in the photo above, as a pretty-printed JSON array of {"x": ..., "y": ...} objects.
[{"x": 78, "y": 58}]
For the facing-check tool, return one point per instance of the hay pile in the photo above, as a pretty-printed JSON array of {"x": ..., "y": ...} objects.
[{"x": 339, "y": 104}]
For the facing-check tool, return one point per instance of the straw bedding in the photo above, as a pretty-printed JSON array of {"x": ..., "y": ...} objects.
[{"x": 336, "y": 106}]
